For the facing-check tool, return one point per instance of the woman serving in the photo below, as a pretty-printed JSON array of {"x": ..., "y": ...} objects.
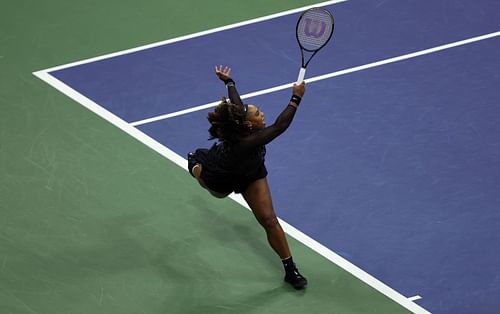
[{"x": 236, "y": 162}]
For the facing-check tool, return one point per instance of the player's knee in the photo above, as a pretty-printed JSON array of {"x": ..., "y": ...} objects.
[{"x": 196, "y": 170}]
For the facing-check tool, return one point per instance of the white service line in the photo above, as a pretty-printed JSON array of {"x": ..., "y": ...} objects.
[{"x": 324, "y": 76}]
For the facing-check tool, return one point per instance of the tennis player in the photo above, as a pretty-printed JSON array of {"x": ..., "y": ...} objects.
[{"x": 235, "y": 163}]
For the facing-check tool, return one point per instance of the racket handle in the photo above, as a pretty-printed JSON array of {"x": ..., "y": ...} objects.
[{"x": 302, "y": 73}]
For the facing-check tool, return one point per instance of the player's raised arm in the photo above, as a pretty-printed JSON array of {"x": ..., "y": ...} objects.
[{"x": 224, "y": 74}]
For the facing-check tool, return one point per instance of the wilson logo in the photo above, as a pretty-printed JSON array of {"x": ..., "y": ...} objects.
[{"x": 314, "y": 28}]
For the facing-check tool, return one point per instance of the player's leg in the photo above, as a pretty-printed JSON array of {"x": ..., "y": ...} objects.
[{"x": 258, "y": 197}]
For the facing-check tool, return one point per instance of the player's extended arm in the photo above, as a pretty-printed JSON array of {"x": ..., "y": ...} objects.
[
  {"x": 224, "y": 74},
  {"x": 266, "y": 135}
]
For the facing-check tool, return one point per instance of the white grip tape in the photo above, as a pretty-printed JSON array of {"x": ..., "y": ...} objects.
[{"x": 302, "y": 73}]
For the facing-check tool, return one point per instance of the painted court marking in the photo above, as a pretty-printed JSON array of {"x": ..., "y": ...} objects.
[
  {"x": 130, "y": 129},
  {"x": 324, "y": 77},
  {"x": 415, "y": 298}
]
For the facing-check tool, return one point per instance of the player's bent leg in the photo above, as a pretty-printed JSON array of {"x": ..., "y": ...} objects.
[{"x": 196, "y": 170}]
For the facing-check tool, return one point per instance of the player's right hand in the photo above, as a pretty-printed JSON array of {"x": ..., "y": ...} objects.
[{"x": 299, "y": 89}]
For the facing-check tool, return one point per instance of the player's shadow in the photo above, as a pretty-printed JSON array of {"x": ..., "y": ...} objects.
[{"x": 243, "y": 229}]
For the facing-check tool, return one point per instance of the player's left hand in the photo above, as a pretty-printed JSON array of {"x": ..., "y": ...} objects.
[{"x": 224, "y": 73}]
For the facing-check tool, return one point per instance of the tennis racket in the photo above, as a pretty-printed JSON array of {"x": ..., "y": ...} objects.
[{"x": 314, "y": 30}]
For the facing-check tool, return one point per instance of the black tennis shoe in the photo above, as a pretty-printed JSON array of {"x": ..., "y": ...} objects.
[{"x": 294, "y": 278}]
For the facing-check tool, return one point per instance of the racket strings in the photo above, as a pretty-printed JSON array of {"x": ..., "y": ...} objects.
[{"x": 314, "y": 29}]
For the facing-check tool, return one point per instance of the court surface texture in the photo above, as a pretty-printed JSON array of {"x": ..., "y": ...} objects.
[{"x": 386, "y": 182}]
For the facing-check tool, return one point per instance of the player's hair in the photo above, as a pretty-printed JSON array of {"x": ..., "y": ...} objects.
[{"x": 227, "y": 122}]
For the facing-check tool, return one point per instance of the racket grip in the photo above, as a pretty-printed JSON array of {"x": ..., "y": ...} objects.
[{"x": 302, "y": 73}]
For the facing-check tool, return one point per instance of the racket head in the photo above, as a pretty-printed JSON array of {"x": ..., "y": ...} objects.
[{"x": 314, "y": 29}]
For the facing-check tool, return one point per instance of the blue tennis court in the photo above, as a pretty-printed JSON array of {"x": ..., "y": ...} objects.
[{"x": 393, "y": 160}]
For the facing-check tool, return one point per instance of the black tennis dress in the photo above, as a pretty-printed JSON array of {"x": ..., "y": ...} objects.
[
  {"x": 227, "y": 168},
  {"x": 231, "y": 167}
]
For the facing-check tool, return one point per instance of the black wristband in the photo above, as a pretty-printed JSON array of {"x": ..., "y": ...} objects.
[
  {"x": 229, "y": 82},
  {"x": 296, "y": 99}
]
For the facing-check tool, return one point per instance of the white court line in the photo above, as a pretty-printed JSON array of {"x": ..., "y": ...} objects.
[
  {"x": 203, "y": 33},
  {"x": 181, "y": 162},
  {"x": 325, "y": 76}
]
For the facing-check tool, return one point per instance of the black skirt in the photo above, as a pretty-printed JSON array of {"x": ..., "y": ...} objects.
[{"x": 222, "y": 179}]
